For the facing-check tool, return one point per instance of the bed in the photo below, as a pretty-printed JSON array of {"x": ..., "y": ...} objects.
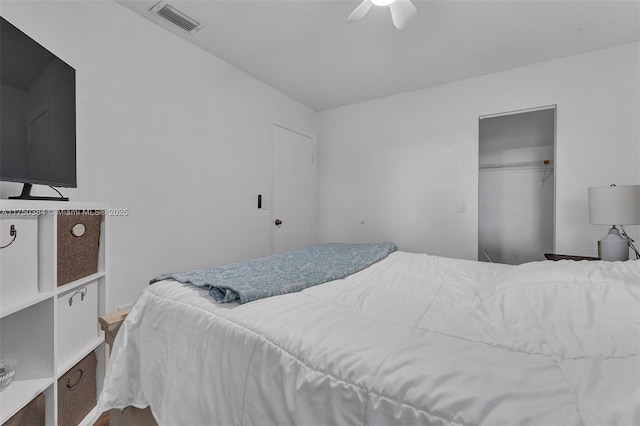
[{"x": 413, "y": 339}]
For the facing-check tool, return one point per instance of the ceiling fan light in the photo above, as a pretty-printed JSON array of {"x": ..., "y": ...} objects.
[{"x": 382, "y": 2}]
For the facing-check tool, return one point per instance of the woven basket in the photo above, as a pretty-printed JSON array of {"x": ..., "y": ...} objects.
[
  {"x": 32, "y": 414},
  {"x": 78, "y": 255},
  {"x": 77, "y": 391}
]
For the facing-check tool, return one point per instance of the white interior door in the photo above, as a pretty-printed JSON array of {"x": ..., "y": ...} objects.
[{"x": 292, "y": 189}]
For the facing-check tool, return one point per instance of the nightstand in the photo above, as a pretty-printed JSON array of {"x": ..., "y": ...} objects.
[{"x": 553, "y": 256}]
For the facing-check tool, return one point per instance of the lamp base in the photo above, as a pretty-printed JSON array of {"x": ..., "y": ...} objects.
[{"x": 613, "y": 247}]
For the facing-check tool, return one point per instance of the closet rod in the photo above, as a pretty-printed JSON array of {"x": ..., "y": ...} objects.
[{"x": 518, "y": 165}]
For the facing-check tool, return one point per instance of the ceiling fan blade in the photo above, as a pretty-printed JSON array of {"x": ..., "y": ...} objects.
[
  {"x": 402, "y": 11},
  {"x": 360, "y": 11}
]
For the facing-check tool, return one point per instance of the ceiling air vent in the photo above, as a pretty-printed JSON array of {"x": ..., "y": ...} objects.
[{"x": 177, "y": 18}]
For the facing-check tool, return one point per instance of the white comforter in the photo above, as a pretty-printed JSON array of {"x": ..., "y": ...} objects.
[{"x": 413, "y": 339}]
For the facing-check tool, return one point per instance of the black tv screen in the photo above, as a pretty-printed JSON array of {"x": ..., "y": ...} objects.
[{"x": 37, "y": 112}]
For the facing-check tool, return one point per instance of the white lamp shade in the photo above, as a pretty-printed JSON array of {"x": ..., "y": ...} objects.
[{"x": 614, "y": 205}]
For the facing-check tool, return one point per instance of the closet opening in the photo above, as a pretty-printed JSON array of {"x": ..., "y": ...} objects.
[{"x": 516, "y": 197}]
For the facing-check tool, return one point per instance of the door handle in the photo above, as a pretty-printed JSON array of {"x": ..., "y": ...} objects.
[{"x": 278, "y": 222}]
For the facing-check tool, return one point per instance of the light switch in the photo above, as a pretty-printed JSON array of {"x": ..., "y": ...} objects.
[{"x": 462, "y": 206}]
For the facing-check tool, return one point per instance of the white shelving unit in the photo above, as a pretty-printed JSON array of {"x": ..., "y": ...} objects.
[{"x": 45, "y": 338}]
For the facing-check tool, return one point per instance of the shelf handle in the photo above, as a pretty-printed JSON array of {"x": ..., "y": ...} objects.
[
  {"x": 78, "y": 230},
  {"x": 83, "y": 293},
  {"x": 77, "y": 382},
  {"x": 12, "y": 233}
]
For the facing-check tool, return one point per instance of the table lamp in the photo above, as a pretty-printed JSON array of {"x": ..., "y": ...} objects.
[{"x": 615, "y": 205}]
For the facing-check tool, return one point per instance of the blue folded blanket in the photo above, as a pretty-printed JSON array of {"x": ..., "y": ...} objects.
[{"x": 284, "y": 272}]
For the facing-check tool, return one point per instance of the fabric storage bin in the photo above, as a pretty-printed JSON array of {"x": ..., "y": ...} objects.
[
  {"x": 18, "y": 258},
  {"x": 77, "y": 391},
  {"x": 78, "y": 244},
  {"x": 33, "y": 414},
  {"x": 77, "y": 321}
]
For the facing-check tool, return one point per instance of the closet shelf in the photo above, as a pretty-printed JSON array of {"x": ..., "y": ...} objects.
[{"x": 542, "y": 164}]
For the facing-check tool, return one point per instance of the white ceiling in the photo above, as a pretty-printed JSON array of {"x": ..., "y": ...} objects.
[{"x": 305, "y": 49}]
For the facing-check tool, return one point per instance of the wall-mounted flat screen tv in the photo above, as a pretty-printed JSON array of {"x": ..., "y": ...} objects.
[{"x": 37, "y": 113}]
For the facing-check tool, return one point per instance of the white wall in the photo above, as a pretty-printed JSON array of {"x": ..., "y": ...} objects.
[
  {"x": 176, "y": 136},
  {"x": 401, "y": 164}
]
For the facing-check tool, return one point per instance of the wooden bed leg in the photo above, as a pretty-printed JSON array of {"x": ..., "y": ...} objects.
[
  {"x": 130, "y": 416},
  {"x": 110, "y": 323}
]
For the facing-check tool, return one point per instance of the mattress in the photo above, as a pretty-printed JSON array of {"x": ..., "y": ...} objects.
[{"x": 413, "y": 339}]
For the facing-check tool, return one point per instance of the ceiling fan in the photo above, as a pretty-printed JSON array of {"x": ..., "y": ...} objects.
[{"x": 402, "y": 11}]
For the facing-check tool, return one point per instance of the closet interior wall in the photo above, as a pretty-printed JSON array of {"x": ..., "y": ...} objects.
[{"x": 516, "y": 186}]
